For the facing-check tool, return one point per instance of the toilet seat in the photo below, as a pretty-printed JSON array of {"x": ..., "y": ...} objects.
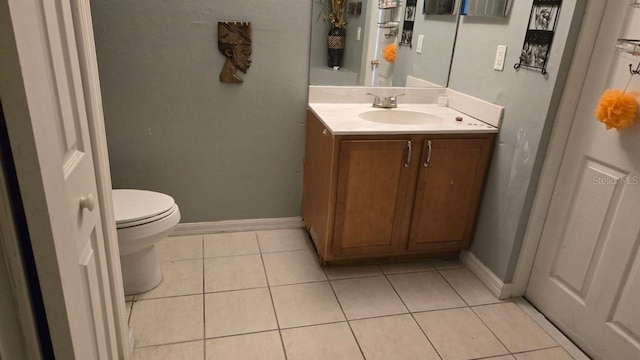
[
  {"x": 140, "y": 207},
  {"x": 129, "y": 224}
]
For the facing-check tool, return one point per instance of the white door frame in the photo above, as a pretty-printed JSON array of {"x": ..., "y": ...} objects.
[
  {"x": 589, "y": 29},
  {"x": 12, "y": 69}
]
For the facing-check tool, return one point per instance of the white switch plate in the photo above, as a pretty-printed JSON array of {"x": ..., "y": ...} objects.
[
  {"x": 358, "y": 33},
  {"x": 419, "y": 47},
  {"x": 501, "y": 53}
]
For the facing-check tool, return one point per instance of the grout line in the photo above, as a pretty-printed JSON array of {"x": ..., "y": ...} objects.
[
  {"x": 228, "y": 256},
  {"x": 285, "y": 251},
  {"x": 347, "y": 319},
  {"x": 299, "y": 283},
  {"x": 409, "y": 272},
  {"x": 413, "y": 317},
  {"x": 443, "y": 309},
  {"x": 541, "y": 349},
  {"x": 241, "y": 334},
  {"x": 453, "y": 288},
  {"x": 133, "y": 302},
  {"x": 489, "y": 328},
  {"x": 273, "y": 304},
  {"x": 169, "y": 343},
  {"x": 494, "y": 356}
]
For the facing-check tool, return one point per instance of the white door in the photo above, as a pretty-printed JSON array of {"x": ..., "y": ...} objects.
[
  {"x": 47, "y": 123},
  {"x": 379, "y": 72},
  {"x": 586, "y": 274}
]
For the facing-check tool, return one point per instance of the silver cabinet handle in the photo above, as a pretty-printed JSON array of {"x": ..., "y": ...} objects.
[
  {"x": 406, "y": 163},
  {"x": 87, "y": 202},
  {"x": 426, "y": 162}
]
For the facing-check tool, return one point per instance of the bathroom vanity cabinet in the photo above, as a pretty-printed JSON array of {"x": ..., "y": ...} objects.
[{"x": 391, "y": 196}]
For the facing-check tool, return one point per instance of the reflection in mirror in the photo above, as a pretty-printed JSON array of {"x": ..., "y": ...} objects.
[{"x": 373, "y": 25}]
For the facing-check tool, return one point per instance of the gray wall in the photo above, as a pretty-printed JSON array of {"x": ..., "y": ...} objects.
[
  {"x": 530, "y": 102},
  {"x": 223, "y": 151}
]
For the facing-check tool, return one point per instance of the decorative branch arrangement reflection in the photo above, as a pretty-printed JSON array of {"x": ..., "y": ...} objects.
[
  {"x": 333, "y": 11},
  {"x": 234, "y": 42}
]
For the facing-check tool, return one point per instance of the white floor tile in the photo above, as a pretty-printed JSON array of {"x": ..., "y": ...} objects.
[
  {"x": 424, "y": 291},
  {"x": 167, "y": 320},
  {"x": 179, "y": 248},
  {"x": 189, "y": 350},
  {"x": 263, "y": 346},
  {"x": 293, "y": 267},
  {"x": 234, "y": 273},
  {"x": 230, "y": 244},
  {"x": 321, "y": 342},
  {"x": 459, "y": 334},
  {"x": 239, "y": 312},
  {"x": 283, "y": 240},
  {"x": 367, "y": 297},
  {"x": 406, "y": 267},
  {"x": 183, "y": 277},
  {"x": 306, "y": 304},
  {"x": 469, "y": 287},
  {"x": 392, "y": 338},
  {"x": 349, "y": 272},
  {"x": 517, "y": 331}
]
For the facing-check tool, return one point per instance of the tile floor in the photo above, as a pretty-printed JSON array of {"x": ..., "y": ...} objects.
[{"x": 262, "y": 295}]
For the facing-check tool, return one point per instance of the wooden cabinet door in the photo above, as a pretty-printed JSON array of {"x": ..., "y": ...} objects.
[
  {"x": 448, "y": 191},
  {"x": 371, "y": 197}
]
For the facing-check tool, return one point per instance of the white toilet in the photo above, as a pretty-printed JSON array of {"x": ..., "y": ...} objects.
[{"x": 142, "y": 218}]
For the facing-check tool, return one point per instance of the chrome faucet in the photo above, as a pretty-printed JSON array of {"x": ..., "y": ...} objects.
[{"x": 387, "y": 102}]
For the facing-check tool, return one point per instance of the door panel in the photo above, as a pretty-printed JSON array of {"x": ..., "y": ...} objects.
[
  {"x": 586, "y": 274},
  {"x": 52, "y": 149},
  {"x": 372, "y": 183},
  {"x": 586, "y": 232},
  {"x": 448, "y": 191}
]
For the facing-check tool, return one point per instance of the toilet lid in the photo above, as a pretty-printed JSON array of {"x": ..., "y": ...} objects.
[{"x": 136, "y": 205}]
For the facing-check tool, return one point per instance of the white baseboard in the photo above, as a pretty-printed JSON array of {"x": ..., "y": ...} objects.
[
  {"x": 497, "y": 287},
  {"x": 237, "y": 225}
]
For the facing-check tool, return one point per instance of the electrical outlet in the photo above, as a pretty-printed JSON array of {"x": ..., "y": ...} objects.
[
  {"x": 501, "y": 53},
  {"x": 419, "y": 47}
]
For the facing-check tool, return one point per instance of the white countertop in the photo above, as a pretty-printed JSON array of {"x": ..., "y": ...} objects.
[{"x": 343, "y": 119}]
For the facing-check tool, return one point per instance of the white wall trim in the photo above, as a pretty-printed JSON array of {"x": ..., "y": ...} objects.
[
  {"x": 497, "y": 287},
  {"x": 559, "y": 137},
  {"x": 237, "y": 225}
]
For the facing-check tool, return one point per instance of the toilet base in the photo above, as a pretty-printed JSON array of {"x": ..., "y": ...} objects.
[{"x": 140, "y": 271}]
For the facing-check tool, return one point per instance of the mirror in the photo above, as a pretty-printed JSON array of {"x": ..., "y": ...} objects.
[{"x": 373, "y": 26}]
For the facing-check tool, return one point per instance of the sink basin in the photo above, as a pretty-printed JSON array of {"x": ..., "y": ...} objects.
[{"x": 400, "y": 117}]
